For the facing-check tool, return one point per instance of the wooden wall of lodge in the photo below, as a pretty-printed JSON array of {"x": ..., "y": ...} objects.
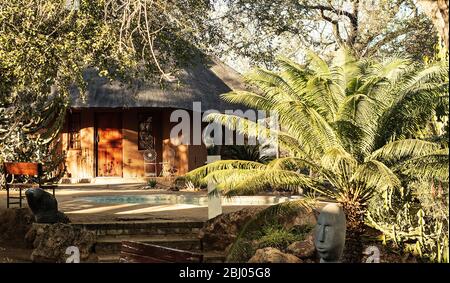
[{"x": 80, "y": 163}]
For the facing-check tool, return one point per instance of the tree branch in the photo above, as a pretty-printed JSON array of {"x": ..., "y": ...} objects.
[
  {"x": 388, "y": 38},
  {"x": 352, "y": 17},
  {"x": 336, "y": 32}
]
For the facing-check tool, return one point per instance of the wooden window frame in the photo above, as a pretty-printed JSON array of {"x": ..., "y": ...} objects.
[{"x": 74, "y": 135}]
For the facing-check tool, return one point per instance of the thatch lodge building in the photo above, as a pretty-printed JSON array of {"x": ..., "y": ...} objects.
[{"x": 121, "y": 133}]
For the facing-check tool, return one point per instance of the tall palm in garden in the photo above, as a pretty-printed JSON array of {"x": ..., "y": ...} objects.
[{"x": 351, "y": 123}]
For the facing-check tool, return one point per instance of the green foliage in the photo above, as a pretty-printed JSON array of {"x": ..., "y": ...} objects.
[
  {"x": 152, "y": 183},
  {"x": 28, "y": 132},
  {"x": 270, "y": 235},
  {"x": 417, "y": 221},
  {"x": 277, "y": 237},
  {"x": 349, "y": 128},
  {"x": 43, "y": 50},
  {"x": 46, "y": 48},
  {"x": 243, "y": 152},
  {"x": 263, "y": 29},
  {"x": 268, "y": 229}
]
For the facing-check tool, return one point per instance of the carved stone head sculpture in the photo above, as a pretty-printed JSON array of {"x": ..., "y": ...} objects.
[{"x": 330, "y": 233}]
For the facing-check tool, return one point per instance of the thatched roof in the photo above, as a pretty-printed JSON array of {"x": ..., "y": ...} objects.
[{"x": 198, "y": 82}]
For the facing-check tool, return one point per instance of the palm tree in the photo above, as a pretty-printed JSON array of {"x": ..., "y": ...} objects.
[
  {"x": 244, "y": 152},
  {"x": 351, "y": 123}
]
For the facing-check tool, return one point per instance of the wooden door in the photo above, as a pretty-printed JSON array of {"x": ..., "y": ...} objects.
[{"x": 109, "y": 144}]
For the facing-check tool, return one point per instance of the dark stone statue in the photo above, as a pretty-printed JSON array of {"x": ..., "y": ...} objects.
[
  {"x": 330, "y": 233},
  {"x": 44, "y": 207}
]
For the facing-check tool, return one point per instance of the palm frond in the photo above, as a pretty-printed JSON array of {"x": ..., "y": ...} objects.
[
  {"x": 198, "y": 174},
  {"x": 429, "y": 166},
  {"x": 272, "y": 84},
  {"x": 230, "y": 176},
  {"x": 316, "y": 63},
  {"x": 242, "y": 125},
  {"x": 307, "y": 125},
  {"x": 398, "y": 150},
  {"x": 292, "y": 163},
  {"x": 412, "y": 107},
  {"x": 262, "y": 180},
  {"x": 334, "y": 158},
  {"x": 249, "y": 99},
  {"x": 377, "y": 175},
  {"x": 391, "y": 68}
]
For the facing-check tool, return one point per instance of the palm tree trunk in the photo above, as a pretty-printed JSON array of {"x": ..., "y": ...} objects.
[{"x": 353, "y": 251}]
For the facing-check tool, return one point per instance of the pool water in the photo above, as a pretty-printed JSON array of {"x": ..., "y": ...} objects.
[{"x": 167, "y": 199}]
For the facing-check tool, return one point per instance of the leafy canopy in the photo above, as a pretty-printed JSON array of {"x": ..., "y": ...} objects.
[
  {"x": 260, "y": 30},
  {"x": 46, "y": 46}
]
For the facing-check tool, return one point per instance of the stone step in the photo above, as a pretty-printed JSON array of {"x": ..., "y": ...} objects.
[
  {"x": 213, "y": 257},
  {"x": 112, "y": 244},
  {"x": 165, "y": 227},
  {"x": 108, "y": 258},
  {"x": 209, "y": 257}
]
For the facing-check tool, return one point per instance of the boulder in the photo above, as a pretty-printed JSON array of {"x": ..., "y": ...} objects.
[
  {"x": 14, "y": 224},
  {"x": 303, "y": 218},
  {"x": 44, "y": 207},
  {"x": 221, "y": 231},
  {"x": 272, "y": 255},
  {"x": 303, "y": 249},
  {"x": 50, "y": 242}
]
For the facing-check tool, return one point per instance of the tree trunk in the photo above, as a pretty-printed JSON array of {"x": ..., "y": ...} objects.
[
  {"x": 353, "y": 251},
  {"x": 437, "y": 11}
]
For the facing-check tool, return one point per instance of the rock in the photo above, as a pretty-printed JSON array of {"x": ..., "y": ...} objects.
[
  {"x": 15, "y": 223},
  {"x": 45, "y": 207},
  {"x": 303, "y": 249},
  {"x": 220, "y": 232},
  {"x": 50, "y": 242},
  {"x": 301, "y": 219},
  {"x": 272, "y": 255}
]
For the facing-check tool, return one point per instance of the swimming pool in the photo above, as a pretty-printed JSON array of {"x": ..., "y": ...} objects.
[{"x": 200, "y": 200}]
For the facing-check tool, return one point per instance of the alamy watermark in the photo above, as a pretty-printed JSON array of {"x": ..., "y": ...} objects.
[
  {"x": 72, "y": 5},
  {"x": 373, "y": 254},
  {"x": 74, "y": 254},
  {"x": 249, "y": 127}
]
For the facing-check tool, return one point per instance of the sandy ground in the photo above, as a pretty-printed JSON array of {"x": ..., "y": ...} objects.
[{"x": 80, "y": 210}]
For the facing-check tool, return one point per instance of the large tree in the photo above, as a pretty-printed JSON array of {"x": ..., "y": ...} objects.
[
  {"x": 437, "y": 11},
  {"x": 261, "y": 29},
  {"x": 45, "y": 47}
]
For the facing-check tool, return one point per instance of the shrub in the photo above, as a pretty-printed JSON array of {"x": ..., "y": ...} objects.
[
  {"x": 271, "y": 235},
  {"x": 278, "y": 237},
  {"x": 152, "y": 183},
  {"x": 416, "y": 221}
]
